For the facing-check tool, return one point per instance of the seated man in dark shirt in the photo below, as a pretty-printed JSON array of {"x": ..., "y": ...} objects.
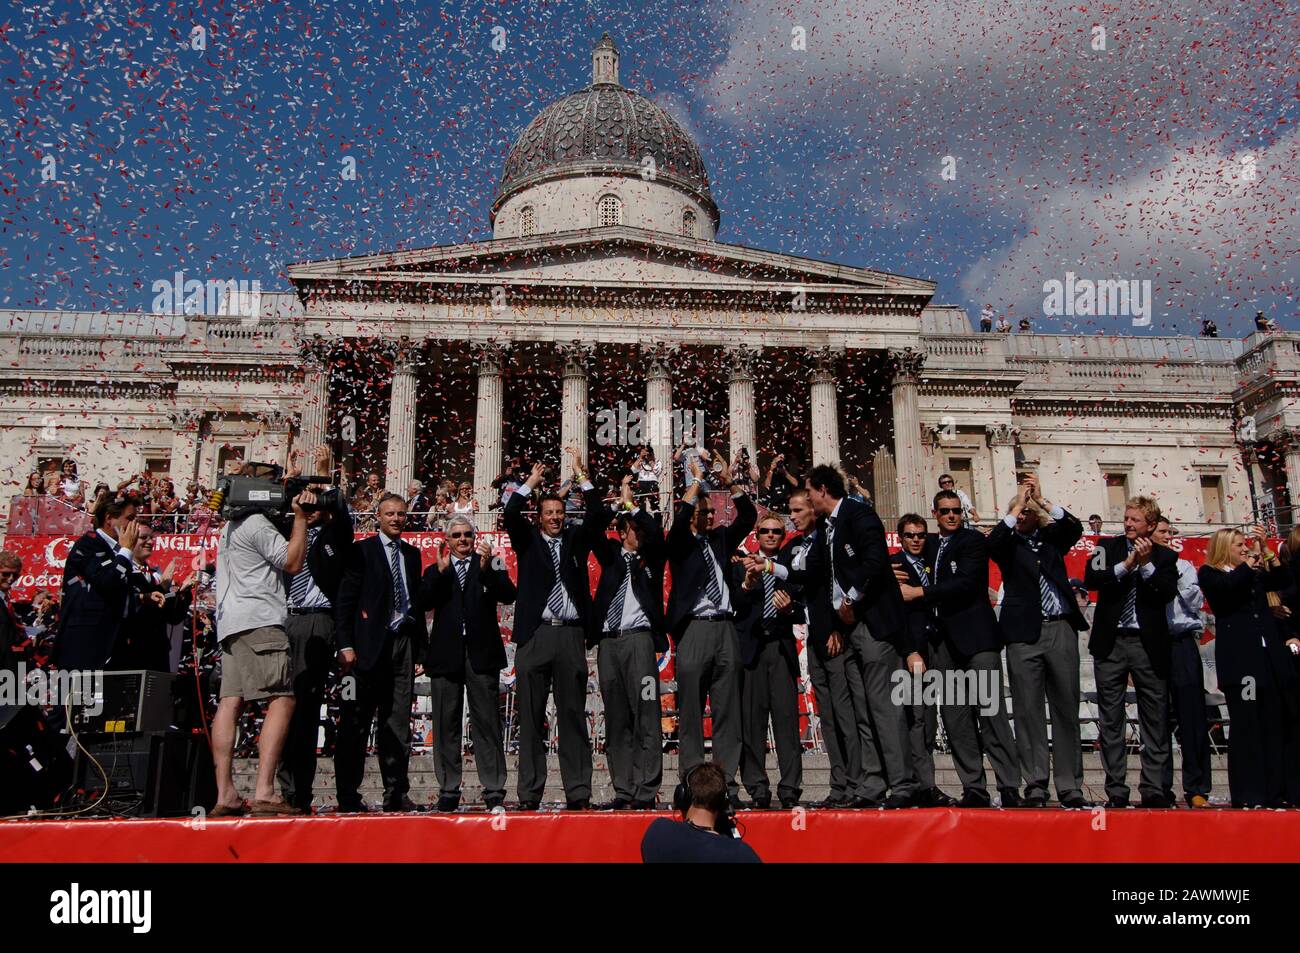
[{"x": 695, "y": 839}]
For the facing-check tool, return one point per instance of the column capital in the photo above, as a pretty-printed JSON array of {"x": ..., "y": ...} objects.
[
  {"x": 826, "y": 362},
  {"x": 741, "y": 359},
  {"x": 575, "y": 355},
  {"x": 489, "y": 355},
  {"x": 907, "y": 364},
  {"x": 1001, "y": 435},
  {"x": 186, "y": 418},
  {"x": 314, "y": 353},
  {"x": 657, "y": 356}
]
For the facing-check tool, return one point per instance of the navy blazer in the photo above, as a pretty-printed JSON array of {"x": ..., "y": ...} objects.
[
  {"x": 364, "y": 607},
  {"x": 465, "y": 623},
  {"x": 1153, "y": 595},
  {"x": 959, "y": 593},
  {"x": 647, "y": 579},
  {"x": 96, "y": 587},
  {"x": 1022, "y": 599},
  {"x": 536, "y": 572},
  {"x": 922, "y": 630},
  {"x": 860, "y": 559},
  {"x": 687, "y": 562},
  {"x": 750, "y": 628}
]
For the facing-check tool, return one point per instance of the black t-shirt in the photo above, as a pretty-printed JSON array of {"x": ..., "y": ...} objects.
[{"x": 676, "y": 842}]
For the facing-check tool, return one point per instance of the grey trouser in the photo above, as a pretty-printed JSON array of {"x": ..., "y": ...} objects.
[
  {"x": 555, "y": 658},
  {"x": 879, "y": 662},
  {"x": 629, "y": 685},
  {"x": 447, "y": 695},
  {"x": 383, "y": 693},
  {"x": 975, "y": 729},
  {"x": 830, "y": 683},
  {"x": 311, "y": 654},
  {"x": 1129, "y": 657},
  {"x": 1046, "y": 675},
  {"x": 708, "y": 665},
  {"x": 770, "y": 689}
]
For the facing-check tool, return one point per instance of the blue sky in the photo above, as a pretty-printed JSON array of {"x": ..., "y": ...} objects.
[{"x": 1126, "y": 162}]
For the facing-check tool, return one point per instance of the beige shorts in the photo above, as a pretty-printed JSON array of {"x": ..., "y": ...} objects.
[{"x": 255, "y": 664}]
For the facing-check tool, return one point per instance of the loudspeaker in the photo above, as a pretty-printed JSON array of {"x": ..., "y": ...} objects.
[{"x": 168, "y": 772}]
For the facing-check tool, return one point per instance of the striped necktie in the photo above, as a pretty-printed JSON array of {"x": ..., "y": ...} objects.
[
  {"x": 1128, "y": 619},
  {"x": 462, "y": 570},
  {"x": 400, "y": 603},
  {"x": 556, "y": 600},
  {"x": 614, "y": 620},
  {"x": 711, "y": 586},
  {"x": 922, "y": 571},
  {"x": 300, "y": 582},
  {"x": 769, "y": 594},
  {"x": 1046, "y": 594}
]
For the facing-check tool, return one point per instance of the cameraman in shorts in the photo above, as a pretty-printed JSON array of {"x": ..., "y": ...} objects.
[{"x": 253, "y": 559}]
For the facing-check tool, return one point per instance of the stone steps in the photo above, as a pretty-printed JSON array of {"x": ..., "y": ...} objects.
[{"x": 816, "y": 778}]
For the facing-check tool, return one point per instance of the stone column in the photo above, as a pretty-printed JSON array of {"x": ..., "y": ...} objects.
[
  {"x": 315, "y": 405},
  {"x": 885, "y": 476},
  {"x": 488, "y": 447},
  {"x": 573, "y": 403},
  {"x": 1290, "y": 443},
  {"x": 659, "y": 420},
  {"x": 825, "y": 408},
  {"x": 1002, "y": 444},
  {"x": 907, "y": 430},
  {"x": 401, "y": 424},
  {"x": 740, "y": 400},
  {"x": 183, "y": 467}
]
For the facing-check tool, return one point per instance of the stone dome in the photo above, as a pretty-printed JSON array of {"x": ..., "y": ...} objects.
[{"x": 605, "y": 130}]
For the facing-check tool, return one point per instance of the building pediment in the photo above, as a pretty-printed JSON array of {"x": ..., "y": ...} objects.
[{"x": 605, "y": 257}]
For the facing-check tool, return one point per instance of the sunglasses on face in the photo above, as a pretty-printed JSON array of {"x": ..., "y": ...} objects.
[
  {"x": 770, "y": 532},
  {"x": 945, "y": 482},
  {"x": 460, "y": 535},
  {"x": 914, "y": 536},
  {"x": 6, "y": 573},
  {"x": 949, "y": 511}
]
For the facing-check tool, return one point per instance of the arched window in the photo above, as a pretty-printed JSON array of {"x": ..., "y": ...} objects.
[
  {"x": 688, "y": 223},
  {"x": 609, "y": 211},
  {"x": 527, "y": 220}
]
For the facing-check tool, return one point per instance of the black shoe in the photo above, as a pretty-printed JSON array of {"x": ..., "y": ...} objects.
[
  {"x": 1116, "y": 803},
  {"x": 1011, "y": 797},
  {"x": 529, "y": 805},
  {"x": 494, "y": 804},
  {"x": 734, "y": 801},
  {"x": 763, "y": 803},
  {"x": 448, "y": 804},
  {"x": 1037, "y": 799},
  {"x": 896, "y": 801},
  {"x": 1074, "y": 801},
  {"x": 583, "y": 804},
  {"x": 618, "y": 804},
  {"x": 403, "y": 805},
  {"x": 975, "y": 799},
  {"x": 353, "y": 807},
  {"x": 834, "y": 801},
  {"x": 934, "y": 798},
  {"x": 1157, "y": 801},
  {"x": 789, "y": 803},
  {"x": 864, "y": 803},
  {"x": 643, "y": 805}
]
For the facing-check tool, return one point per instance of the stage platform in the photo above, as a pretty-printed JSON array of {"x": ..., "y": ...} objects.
[{"x": 938, "y": 835}]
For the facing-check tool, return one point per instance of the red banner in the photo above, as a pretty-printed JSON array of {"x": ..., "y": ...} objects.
[{"x": 43, "y": 556}]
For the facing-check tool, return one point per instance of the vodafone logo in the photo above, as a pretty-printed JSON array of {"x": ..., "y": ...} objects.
[{"x": 56, "y": 551}]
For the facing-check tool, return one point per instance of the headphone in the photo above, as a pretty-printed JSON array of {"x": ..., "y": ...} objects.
[{"x": 682, "y": 803}]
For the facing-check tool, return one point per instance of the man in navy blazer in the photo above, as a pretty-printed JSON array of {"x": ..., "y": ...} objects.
[
  {"x": 969, "y": 647},
  {"x": 629, "y": 628},
  {"x": 1135, "y": 579},
  {"x": 553, "y": 620},
  {"x": 379, "y": 626},
  {"x": 1041, "y": 621},
  {"x": 701, "y": 617},
  {"x": 465, "y": 657},
  {"x": 867, "y": 606},
  {"x": 96, "y": 587}
]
